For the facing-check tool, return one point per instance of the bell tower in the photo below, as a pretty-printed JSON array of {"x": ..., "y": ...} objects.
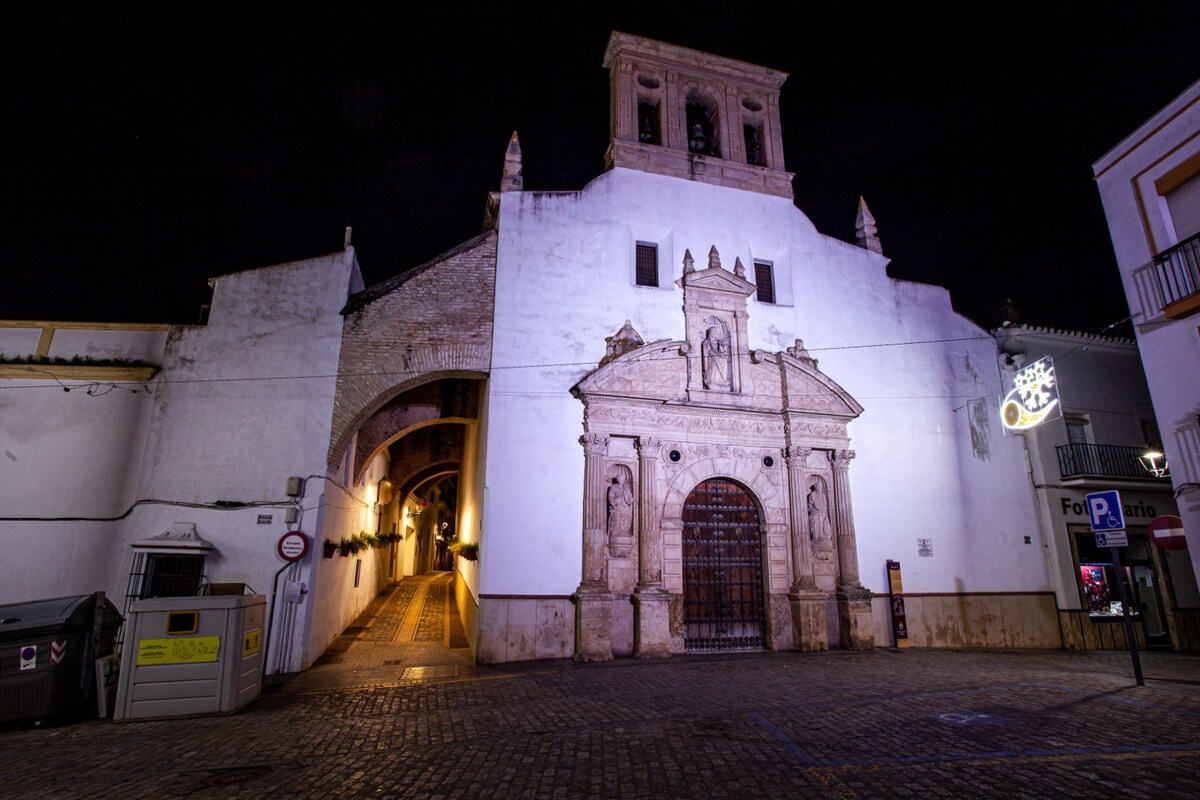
[{"x": 696, "y": 116}]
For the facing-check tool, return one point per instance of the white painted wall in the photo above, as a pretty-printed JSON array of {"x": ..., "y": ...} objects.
[
  {"x": 239, "y": 406},
  {"x": 564, "y": 282},
  {"x": 68, "y": 454},
  {"x": 1140, "y": 226}
]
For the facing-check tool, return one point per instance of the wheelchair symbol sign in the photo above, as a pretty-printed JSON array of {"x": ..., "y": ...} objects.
[{"x": 1104, "y": 511}]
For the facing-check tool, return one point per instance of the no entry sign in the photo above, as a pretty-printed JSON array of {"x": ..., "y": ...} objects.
[
  {"x": 1167, "y": 532},
  {"x": 292, "y": 546}
]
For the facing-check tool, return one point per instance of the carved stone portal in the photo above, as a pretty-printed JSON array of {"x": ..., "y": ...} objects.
[{"x": 706, "y": 408}]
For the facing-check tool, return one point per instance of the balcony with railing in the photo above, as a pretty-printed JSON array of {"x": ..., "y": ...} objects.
[
  {"x": 1178, "y": 272},
  {"x": 1103, "y": 461}
]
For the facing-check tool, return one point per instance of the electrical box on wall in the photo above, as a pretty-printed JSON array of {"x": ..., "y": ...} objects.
[
  {"x": 291, "y": 515},
  {"x": 295, "y": 485}
]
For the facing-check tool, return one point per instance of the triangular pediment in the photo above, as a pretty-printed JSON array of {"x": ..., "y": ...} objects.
[
  {"x": 716, "y": 279},
  {"x": 659, "y": 371},
  {"x": 656, "y": 371},
  {"x": 812, "y": 391}
]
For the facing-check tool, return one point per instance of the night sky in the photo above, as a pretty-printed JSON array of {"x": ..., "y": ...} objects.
[{"x": 149, "y": 147}]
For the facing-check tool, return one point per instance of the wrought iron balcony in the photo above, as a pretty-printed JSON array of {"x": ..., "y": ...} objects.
[
  {"x": 1102, "y": 461},
  {"x": 1178, "y": 272}
]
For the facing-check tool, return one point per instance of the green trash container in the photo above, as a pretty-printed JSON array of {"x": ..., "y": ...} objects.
[{"x": 47, "y": 654}]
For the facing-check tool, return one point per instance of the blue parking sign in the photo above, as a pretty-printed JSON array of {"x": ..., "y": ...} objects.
[{"x": 1104, "y": 511}]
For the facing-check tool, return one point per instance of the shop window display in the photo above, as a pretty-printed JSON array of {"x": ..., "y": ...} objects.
[{"x": 1100, "y": 591}]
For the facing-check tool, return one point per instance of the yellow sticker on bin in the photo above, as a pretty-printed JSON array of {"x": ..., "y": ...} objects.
[
  {"x": 251, "y": 642},
  {"x": 193, "y": 650}
]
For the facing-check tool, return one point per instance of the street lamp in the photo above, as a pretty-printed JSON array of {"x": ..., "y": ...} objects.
[{"x": 1154, "y": 462}]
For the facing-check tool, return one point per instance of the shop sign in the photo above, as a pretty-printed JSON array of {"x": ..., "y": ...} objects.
[{"x": 1167, "y": 532}]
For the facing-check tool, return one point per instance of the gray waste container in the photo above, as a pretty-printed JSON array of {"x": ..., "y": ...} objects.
[
  {"x": 47, "y": 654},
  {"x": 185, "y": 656}
]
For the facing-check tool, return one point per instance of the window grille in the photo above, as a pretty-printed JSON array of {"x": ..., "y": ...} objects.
[
  {"x": 647, "y": 265},
  {"x": 764, "y": 281}
]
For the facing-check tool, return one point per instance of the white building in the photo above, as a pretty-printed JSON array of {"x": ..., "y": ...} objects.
[
  {"x": 606, "y": 391},
  {"x": 1106, "y": 423},
  {"x": 1150, "y": 187}
]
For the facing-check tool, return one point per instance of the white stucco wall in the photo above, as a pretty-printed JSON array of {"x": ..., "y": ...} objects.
[
  {"x": 69, "y": 454},
  {"x": 565, "y": 282},
  {"x": 240, "y": 405},
  {"x": 1140, "y": 226}
]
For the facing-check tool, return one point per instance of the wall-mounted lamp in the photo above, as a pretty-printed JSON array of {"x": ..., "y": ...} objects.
[{"x": 1155, "y": 463}]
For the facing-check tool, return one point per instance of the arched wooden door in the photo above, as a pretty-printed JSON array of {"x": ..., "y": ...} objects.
[{"x": 723, "y": 607}]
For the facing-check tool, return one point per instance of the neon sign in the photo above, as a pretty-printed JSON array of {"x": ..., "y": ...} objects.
[{"x": 1033, "y": 399}]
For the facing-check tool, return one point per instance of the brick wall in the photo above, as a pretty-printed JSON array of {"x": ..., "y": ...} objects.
[{"x": 433, "y": 321}]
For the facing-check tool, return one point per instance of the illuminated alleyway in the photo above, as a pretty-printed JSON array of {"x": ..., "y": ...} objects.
[{"x": 410, "y": 632}]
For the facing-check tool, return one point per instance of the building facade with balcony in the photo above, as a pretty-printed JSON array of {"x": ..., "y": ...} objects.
[
  {"x": 1150, "y": 187},
  {"x": 1107, "y": 422}
]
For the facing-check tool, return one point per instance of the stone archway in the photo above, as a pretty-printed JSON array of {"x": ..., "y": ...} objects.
[{"x": 724, "y": 593}]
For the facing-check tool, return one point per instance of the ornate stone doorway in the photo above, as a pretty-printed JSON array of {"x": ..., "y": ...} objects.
[{"x": 723, "y": 595}]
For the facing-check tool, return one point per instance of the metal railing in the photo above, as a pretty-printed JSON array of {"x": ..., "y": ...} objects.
[
  {"x": 1178, "y": 270},
  {"x": 1102, "y": 461}
]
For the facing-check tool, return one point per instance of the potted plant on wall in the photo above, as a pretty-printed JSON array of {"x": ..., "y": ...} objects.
[
  {"x": 467, "y": 550},
  {"x": 329, "y": 549}
]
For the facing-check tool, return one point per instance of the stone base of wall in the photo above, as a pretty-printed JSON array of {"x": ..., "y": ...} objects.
[
  {"x": 524, "y": 628},
  {"x": 1186, "y": 634},
  {"x": 468, "y": 610},
  {"x": 1081, "y": 632},
  {"x": 993, "y": 619}
]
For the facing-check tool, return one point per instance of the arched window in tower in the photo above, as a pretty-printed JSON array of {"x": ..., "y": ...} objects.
[
  {"x": 703, "y": 126},
  {"x": 649, "y": 121},
  {"x": 752, "y": 132},
  {"x": 755, "y": 154}
]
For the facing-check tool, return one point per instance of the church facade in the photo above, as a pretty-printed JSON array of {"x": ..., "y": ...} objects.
[{"x": 664, "y": 412}]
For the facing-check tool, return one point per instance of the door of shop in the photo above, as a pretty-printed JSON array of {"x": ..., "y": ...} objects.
[
  {"x": 723, "y": 607},
  {"x": 1097, "y": 576}
]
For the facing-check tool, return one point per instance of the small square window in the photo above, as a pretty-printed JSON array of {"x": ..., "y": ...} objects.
[
  {"x": 647, "y": 264},
  {"x": 764, "y": 281}
]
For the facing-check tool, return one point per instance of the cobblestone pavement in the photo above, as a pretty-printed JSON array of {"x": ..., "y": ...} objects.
[{"x": 923, "y": 723}]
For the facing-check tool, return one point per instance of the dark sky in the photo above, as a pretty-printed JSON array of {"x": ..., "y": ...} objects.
[{"x": 148, "y": 146}]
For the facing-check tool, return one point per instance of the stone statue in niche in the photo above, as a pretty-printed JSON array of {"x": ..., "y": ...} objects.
[
  {"x": 620, "y": 514},
  {"x": 715, "y": 358},
  {"x": 819, "y": 528}
]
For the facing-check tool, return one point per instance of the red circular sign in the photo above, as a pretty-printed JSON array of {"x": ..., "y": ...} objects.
[
  {"x": 1167, "y": 532},
  {"x": 292, "y": 546}
]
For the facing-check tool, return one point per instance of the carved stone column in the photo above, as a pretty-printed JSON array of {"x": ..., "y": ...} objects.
[
  {"x": 650, "y": 599},
  {"x": 807, "y": 602},
  {"x": 593, "y": 603},
  {"x": 595, "y": 516},
  {"x": 649, "y": 532},
  {"x": 854, "y": 601}
]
